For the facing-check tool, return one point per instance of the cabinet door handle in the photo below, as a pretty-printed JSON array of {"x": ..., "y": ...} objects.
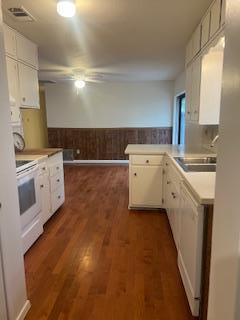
[
  {"x": 59, "y": 197},
  {"x": 168, "y": 182},
  {"x": 135, "y": 174},
  {"x": 41, "y": 186},
  {"x": 23, "y": 99},
  {"x": 58, "y": 180},
  {"x": 166, "y": 164},
  {"x": 58, "y": 168},
  {"x": 147, "y": 161}
]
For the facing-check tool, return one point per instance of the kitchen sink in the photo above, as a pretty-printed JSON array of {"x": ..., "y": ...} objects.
[{"x": 204, "y": 164}]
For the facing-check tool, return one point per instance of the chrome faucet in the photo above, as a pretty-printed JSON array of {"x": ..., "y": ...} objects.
[{"x": 214, "y": 141}]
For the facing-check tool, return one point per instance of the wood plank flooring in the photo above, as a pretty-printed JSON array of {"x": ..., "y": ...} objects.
[{"x": 96, "y": 260}]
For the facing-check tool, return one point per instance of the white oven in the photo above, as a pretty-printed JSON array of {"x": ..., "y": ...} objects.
[{"x": 29, "y": 203}]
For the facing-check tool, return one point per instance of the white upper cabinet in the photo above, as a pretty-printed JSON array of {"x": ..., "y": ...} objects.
[
  {"x": 12, "y": 73},
  {"x": 10, "y": 41},
  {"x": 27, "y": 51},
  {"x": 211, "y": 85},
  {"x": 189, "y": 92},
  {"x": 196, "y": 82},
  {"x": 205, "y": 30},
  {"x": 215, "y": 17},
  {"x": 29, "y": 88},
  {"x": 196, "y": 41}
]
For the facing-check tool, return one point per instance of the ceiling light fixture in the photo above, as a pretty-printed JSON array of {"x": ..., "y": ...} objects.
[
  {"x": 80, "y": 84},
  {"x": 66, "y": 8}
]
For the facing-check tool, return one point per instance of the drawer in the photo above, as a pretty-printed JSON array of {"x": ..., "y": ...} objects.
[
  {"x": 57, "y": 181},
  {"x": 57, "y": 198},
  {"x": 42, "y": 168},
  {"x": 55, "y": 169},
  {"x": 150, "y": 160}
]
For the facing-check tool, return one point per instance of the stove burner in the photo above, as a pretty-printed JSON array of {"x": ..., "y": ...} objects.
[{"x": 20, "y": 163}]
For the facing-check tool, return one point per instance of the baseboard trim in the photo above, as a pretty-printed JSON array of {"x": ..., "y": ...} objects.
[
  {"x": 97, "y": 162},
  {"x": 24, "y": 311}
]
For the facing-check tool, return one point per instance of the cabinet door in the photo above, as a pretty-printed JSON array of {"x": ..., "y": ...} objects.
[
  {"x": 146, "y": 185},
  {"x": 205, "y": 30},
  {"x": 211, "y": 87},
  {"x": 10, "y": 41},
  {"x": 190, "y": 245},
  {"x": 215, "y": 17},
  {"x": 12, "y": 74},
  {"x": 29, "y": 89},
  {"x": 27, "y": 51},
  {"x": 197, "y": 41},
  {"x": 45, "y": 197},
  {"x": 196, "y": 83},
  {"x": 188, "y": 92}
]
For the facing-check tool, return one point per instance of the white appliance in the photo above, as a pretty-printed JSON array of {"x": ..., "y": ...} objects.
[{"x": 29, "y": 202}]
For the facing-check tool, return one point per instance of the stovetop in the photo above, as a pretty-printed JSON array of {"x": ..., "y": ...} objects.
[{"x": 22, "y": 165}]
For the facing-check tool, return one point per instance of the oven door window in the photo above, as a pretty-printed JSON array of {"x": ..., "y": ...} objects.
[{"x": 27, "y": 195}]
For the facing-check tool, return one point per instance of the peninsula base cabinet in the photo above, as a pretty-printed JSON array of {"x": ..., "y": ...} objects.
[{"x": 145, "y": 181}]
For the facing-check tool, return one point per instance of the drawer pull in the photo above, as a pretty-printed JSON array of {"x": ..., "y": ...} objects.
[
  {"x": 41, "y": 186},
  {"x": 44, "y": 168},
  {"x": 59, "y": 197},
  {"x": 168, "y": 182},
  {"x": 147, "y": 161},
  {"x": 135, "y": 174},
  {"x": 173, "y": 195},
  {"x": 58, "y": 180},
  {"x": 58, "y": 168}
]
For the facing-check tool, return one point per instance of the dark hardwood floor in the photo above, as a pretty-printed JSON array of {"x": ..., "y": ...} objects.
[{"x": 96, "y": 260}]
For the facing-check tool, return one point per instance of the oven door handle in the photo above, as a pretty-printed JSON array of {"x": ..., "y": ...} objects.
[{"x": 27, "y": 172}]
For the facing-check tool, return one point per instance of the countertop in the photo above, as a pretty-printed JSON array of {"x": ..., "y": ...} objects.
[
  {"x": 31, "y": 157},
  {"x": 40, "y": 152},
  {"x": 201, "y": 184}
]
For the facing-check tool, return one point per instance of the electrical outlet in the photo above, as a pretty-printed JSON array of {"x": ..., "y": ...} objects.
[{"x": 78, "y": 151}]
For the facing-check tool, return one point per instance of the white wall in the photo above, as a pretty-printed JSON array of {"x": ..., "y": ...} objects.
[
  {"x": 224, "y": 295},
  {"x": 11, "y": 245},
  {"x": 109, "y": 105}
]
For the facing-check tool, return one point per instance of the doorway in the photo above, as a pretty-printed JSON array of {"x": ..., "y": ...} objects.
[{"x": 179, "y": 120}]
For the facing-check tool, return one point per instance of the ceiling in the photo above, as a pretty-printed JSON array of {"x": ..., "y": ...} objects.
[{"x": 120, "y": 39}]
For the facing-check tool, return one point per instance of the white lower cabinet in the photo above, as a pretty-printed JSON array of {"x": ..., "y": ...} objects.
[
  {"x": 45, "y": 196},
  {"x": 146, "y": 181},
  {"x": 51, "y": 181},
  {"x": 190, "y": 248}
]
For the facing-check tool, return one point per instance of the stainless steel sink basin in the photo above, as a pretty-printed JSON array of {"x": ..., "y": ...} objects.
[{"x": 204, "y": 164}]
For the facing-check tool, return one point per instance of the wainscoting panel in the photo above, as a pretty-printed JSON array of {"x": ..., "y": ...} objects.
[{"x": 105, "y": 144}]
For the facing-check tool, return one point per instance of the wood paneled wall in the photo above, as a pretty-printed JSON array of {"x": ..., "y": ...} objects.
[{"x": 105, "y": 144}]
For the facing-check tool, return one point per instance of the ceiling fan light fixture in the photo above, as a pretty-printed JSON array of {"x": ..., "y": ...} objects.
[
  {"x": 66, "y": 8},
  {"x": 80, "y": 84}
]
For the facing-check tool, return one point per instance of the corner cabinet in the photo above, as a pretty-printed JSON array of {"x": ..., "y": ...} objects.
[{"x": 146, "y": 181}]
